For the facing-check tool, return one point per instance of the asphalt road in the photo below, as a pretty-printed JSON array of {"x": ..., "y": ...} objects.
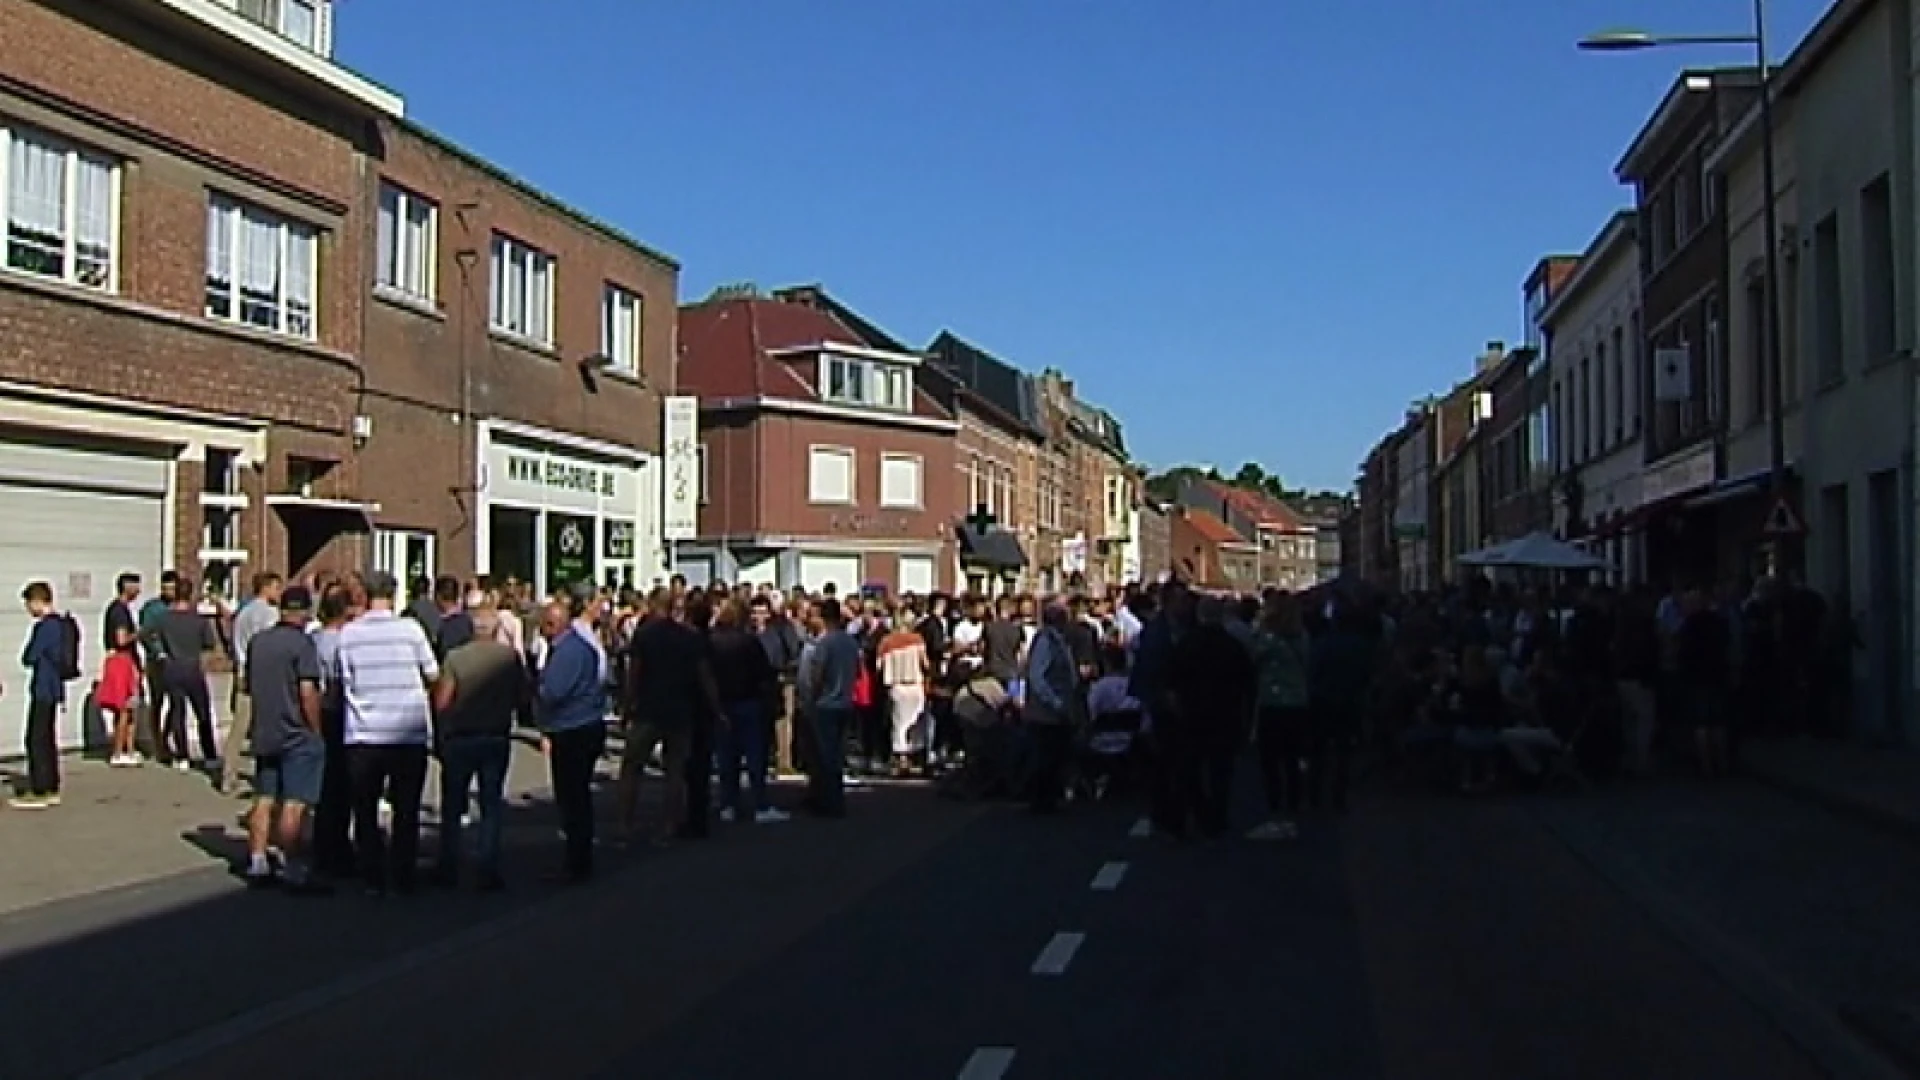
[{"x": 1420, "y": 938}]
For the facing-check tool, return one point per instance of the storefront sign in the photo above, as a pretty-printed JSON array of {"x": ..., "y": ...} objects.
[
  {"x": 560, "y": 475},
  {"x": 1678, "y": 476},
  {"x": 619, "y": 541},
  {"x": 1073, "y": 554},
  {"x": 680, "y": 514},
  {"x": 551, "y": 478},
  {"x": 570, "y": 544}
]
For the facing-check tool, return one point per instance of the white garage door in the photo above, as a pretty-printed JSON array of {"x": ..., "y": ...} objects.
[
  {"x": 840, "y": 571},
  {"x": 76, "y": 519},
  {"x": 916, "y": 575}
]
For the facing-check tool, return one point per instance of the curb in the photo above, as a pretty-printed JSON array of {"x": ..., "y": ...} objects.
[
  {"x": 1905, "y": 827},
  {"x": 1832, "y": 1045}
]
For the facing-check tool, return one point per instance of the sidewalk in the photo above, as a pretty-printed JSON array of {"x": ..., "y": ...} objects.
[
  {"x": 124, "y": 827},
  {"x": 1876, "y": 783}
]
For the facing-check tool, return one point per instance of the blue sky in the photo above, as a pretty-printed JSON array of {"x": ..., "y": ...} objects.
[{"x": 1254, "y": 229}]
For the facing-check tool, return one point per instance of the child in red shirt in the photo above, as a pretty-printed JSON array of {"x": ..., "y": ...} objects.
[{"x": 119, "y": 694}]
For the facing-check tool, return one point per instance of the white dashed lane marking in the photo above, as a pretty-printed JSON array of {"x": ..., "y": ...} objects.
[
  {"x": 987, "y": 1063},
  {"x": 1108, "y": 879},
  {"x": 1053, "y": 959},
  {"x": 1141, "y": 828}
]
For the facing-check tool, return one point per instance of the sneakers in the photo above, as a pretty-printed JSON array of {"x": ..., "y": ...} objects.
[
  {"x": 771, "y": 816},
  {"x": 727, "y": 815},
  {"x": 33, "y": 802},
  {"x": 126, "y": 761}
]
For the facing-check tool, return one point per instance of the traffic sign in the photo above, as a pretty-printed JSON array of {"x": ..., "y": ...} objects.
[{"x": 1783, "y": 521}]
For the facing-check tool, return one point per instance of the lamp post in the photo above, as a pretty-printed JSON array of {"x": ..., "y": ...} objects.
[{"x": 1756, "y": 39}]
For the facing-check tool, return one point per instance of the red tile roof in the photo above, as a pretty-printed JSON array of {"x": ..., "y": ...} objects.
[
  {"x": 727, "y": 347},
  {"x": 1212, "y": 529},
  {"x": 1263, "y": 510}
]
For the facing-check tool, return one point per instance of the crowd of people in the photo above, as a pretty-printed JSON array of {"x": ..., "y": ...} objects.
[{"x": 343, "y": 693}]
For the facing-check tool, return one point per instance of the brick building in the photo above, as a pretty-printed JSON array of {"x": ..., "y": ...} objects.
[
  {"x": 519, "y": 353},
  {"x": 825, "y": 462},
  {"x": 996, "y": 462},
  {"x": 181, "y": 306},
  {"x": 1098, "y": 489},
  {"x": 1208, "y": 553},
  {"x": 1682, "y": 317},
  {"x": 1287, "y": 544},
  {"x": 1155, "y": 531}
]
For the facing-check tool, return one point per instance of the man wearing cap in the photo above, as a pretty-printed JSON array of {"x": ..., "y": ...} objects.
[{"x": 289, "y": 752}]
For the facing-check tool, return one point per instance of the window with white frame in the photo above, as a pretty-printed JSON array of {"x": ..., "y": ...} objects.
[
  {"x": 900, "y": 481},
  {"x": 973, "y": 482},
  {"x": 261, "y": 268},
  {"x": 522, "y": 291},
  {"x": 850, "y": 380},
  {"x": 407, "y": 240},
  {"x": 222, "y": 502},
  {"x": 620, "y": 322},
  {"x": 296, "y": 20},
  {"x": 893, "y": 387},
  {"x": 61, "y": 206},
  {"x": 830, "y": 475}
]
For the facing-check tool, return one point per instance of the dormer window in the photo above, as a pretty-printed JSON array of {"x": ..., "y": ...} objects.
[
  {"x": 299, "y": 21},
  {"x": 846, "y": 380}
]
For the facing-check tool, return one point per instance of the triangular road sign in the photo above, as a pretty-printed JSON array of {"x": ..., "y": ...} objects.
[{"x": 1782, "y": 520}]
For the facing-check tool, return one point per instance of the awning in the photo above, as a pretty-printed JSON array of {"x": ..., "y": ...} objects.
[
  {"x": 1736, "y": 487},
  {"x": 313, "y": 504},
  {"x": 995, "y": 549}
]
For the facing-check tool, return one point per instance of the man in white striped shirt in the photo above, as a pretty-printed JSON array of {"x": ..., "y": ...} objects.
[{"x": 386, "y": 665}]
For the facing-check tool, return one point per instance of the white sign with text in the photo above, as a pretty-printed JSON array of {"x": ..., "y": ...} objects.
[{"x": 680, "y": 514}]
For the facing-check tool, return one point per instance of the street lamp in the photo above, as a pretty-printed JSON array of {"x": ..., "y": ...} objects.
[{"x": 1756, "y": 39}]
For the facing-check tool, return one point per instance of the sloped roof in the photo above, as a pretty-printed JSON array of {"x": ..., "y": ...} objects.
[
  {"x": 1210, "y": 528},
  {"x": 865, "y": 331},
  {"x": 727, "y": 347},
  {"x": 1264, "y": 511},
  {"x": 994, "y": 382}
]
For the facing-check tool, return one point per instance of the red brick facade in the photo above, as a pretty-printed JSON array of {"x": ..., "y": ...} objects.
[
  {"x": 381, "y": 405},
  {"x": 181, "y": 124},
  {"x": 436, "y": 368},
  {"x": 755, "y": 365}
]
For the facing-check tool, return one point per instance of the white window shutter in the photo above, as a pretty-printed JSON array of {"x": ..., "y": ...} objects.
[
  {"x": 830, "y": 475},
  {"x": 900, "y": 482}
]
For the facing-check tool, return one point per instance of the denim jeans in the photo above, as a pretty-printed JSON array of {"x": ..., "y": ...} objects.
[
  {"x": 743, "y": 744},
  {"x": 463, "y": 760},
  {"x": 827, "y": 783}
]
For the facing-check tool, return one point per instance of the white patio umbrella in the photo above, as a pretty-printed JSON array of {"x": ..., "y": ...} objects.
[{"x": 1535, "y": 551}]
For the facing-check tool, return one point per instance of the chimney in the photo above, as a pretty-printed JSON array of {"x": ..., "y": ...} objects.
[{"x": 1496, "y": 352}]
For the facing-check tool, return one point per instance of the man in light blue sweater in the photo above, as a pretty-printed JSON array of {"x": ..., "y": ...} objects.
[{"x": 573, "y": 717}]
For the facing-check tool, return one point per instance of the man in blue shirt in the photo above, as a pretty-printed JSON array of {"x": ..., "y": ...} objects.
[
  {"x": 572, "y": 701},
  {"x": 833, "y": 665},
  {"x": 46, "y": 693}
]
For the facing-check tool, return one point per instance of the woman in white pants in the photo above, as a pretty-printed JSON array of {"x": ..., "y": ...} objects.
[{"x": 903, "y": 671}]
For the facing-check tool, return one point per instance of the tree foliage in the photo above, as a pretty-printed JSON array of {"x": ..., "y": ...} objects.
[{"x": 1250, "y": 476}]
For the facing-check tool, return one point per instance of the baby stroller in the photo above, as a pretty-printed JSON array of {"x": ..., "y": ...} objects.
[
  {"x": 981, "y": 706},
  {"x": 1109, "y": 754}
]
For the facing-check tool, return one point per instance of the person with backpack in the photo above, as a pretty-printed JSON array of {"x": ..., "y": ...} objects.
[{"x": 52, "y": 657}]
